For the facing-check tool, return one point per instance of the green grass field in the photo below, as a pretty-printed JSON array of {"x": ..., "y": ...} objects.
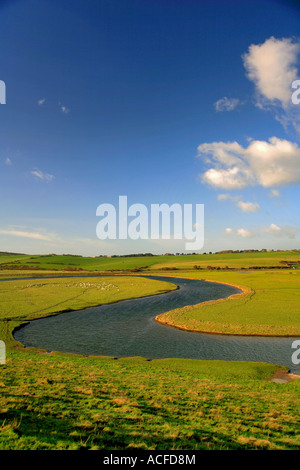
[
  {"x": 182, "y": 262},
  {"x": 66, "y": 401},
  {"x": 269, "y": 305},
  {"x": 58, "y": 401}
]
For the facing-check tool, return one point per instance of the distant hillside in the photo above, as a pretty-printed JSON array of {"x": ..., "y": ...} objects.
[
  {"x": 10, "y": 253},
  {"x": 249, "y": 259}
]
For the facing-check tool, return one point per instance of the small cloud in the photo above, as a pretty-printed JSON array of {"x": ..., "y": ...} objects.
[
  {"x": 226, "y": 104},
  {"x": 41, "y": 102},
  {"x": 40, "y": 175},
  {"x": 277, "y": 231},
  {"x": 63, "y": 108},
  {"x": 273, "y": 230},
  {"x": 8, "y": 161},
  {"x": 18, "y": 233},
  {"x": 225, "y": 197},
  {"x": 241, "y": 232},
  {"x": 248, "y": 206},
  {"x": 274, "y": 193},
  {"x": 244, "y": 206}
]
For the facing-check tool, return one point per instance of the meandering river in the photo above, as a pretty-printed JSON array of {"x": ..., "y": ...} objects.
[{"x": 128, "y": 328}]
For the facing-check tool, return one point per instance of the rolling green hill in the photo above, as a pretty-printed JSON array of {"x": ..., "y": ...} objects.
[{"x": 283, "y": 259}]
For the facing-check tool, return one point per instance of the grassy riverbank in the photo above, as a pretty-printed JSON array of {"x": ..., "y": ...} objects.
[
  {"x": 64, "y": 401},
  {"x": 25, "y": 300},
  {"x": 59, "y": 401},
  {"x": 269, "y": 305}
]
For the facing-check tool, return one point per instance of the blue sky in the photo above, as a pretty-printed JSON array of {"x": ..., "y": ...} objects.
[{"x": 164, "y": 101}]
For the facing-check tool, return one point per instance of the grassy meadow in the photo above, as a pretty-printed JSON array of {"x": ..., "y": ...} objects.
[
  {"x": 59, "y": 401},
  {"x": 269, "y": 305},
  {"x": 67, "y": 401},
  {"x": 69, "y": 263}
]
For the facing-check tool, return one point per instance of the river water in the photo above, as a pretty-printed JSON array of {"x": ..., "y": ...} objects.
[{"x": 128, "y": 328}]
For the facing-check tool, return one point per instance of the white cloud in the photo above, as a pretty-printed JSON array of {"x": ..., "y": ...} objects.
[
  {"x": 226, "y": 104},
  {"x": 274, "y": 193},
  {"x": 63, "y": 108},
  {"x": 41, "y": 175},
  {"x": 225, "y": 197},
  {"x": 18, "y": 233},
  {"x": 248, "y": 206},
  {"x": 277, "y": 231},
  {"x": 8, "y": 161},
  {"x": 274, "y": 163},
  {"x": 267, "y": 164},
  {"x": 232, "y": 178},
  {"x": 272, "y": 229},
  {"x": 272, "y": 67},
  {"x": 244, "y": 206},
  {"x": 242, "y": 232}
]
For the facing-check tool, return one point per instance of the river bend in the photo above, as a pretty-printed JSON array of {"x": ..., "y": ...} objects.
[{"x": 128, "y": 328}]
